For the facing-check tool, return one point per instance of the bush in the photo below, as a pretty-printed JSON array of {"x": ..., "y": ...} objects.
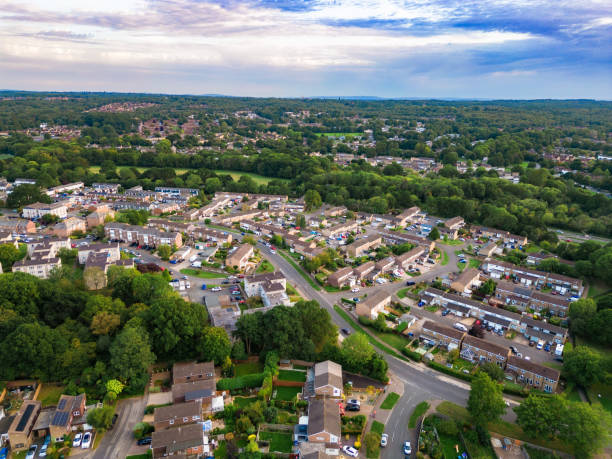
[
  {"x": 372, "y": 442},
  {"x": 241, "y": 382},
  {"x": 412, "y": 355},
  {"x": 151, "y": 408},
  {"x": 448, "y": 427},
  {"x": 450, "y": 371},
  {"x": 142, "y": 429}
]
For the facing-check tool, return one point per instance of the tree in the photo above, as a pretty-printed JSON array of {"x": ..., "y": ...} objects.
[
  {"x": 131, "y": 355},
  {"x": 583, "y": 366},
  {"x": 586, "y": 428},
  {"x": 238, "y": 351},
  {"x": 94, "y": 277},
  {"x": 164, "y": 251},
  {"x": 23, "y": 195},
  {"x": 113, "y": 388},
  {"x": 105, "y": 323},
  {"x": 300, "y": 221},
  {"x": 247, "y": 239},
  {"x": 356, "y": 349},
  {"x": 317, "y": 323},
  {"x": 434, "y": 234},
  {"x": 9, "y": 254},
  {"x": 49, "y": 219},
  {"x": 488, "y": 287},
  {"x": 372, "y": 442},
  {"x": 100, "y": 418},
  {"x": 215, "y": 345},
  {"x": 486, "y": 402},
  {"x": 494, "y": 371},
  {"x": 541, "y": 416},
  {"x": 312, "y": 199}
]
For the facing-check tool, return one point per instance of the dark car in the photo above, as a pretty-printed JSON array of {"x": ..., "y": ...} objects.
[
  {"x": 445, "y": 312},
  {"x": 225, "y": 282},
  {"x": 346, "y": 331},
  {"x": 531, "y": 343},
  {"x": 144, "y": 441},
  {"x": 410, "y": 283},
  {"x": 514, "y": 350},
  {"x": 352, "y": 407},
  {"x": 115, "y": 416}
]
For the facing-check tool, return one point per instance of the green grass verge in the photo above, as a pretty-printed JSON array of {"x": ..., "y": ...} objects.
[
  {"x": 292, "y": 375},
  {"x": 450, "y": 242},
  {"x": 146, "y": 455},
  {"x": 223, "y": 228},
  {"x": 390, "y": 401},
  {"x": 301, "y": 272},
  {"x": 377, "y": 427},
  {"x": 473, "y": 263},
  {"x": 242, "y": 369},
  {"x": 202, "y": 274},
  {"x": 501, "y": 427},
  {"x": 444, "y": 259},
  {"x": 402, "y": 293},
  {"x": 265, "y": 267},
  {"x": 286, "y": 393},
  {"x": 419, "y": 411},
  {"x": 279, "y": 441}
]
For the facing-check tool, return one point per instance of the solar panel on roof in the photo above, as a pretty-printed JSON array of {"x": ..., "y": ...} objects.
[
  {"x": 24, "y": 419},
  {"x": 60, "y": 418},
  {"x": 62, "y": 404}
]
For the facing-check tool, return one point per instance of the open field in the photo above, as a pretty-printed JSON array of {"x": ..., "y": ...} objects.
[
  {"x": 259, "y": 179},
  {"x": 178, "y": 170},
  {"x": 202, "y": 274}
]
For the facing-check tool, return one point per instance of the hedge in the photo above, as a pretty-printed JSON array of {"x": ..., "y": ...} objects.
[
  {"x": 241, "y": 382},
  {"x": 346, "y": 300},
  {"x": 412, "y": 354},
  {"x": 449, "y": 371}
]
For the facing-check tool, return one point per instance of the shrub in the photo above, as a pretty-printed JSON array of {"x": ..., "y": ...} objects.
[
  {"x": 448, "y": 427},
  {"x": 412, "y": 354},
  {"x": 450, "y": 371},
  {"x": 372, "y": 442}
]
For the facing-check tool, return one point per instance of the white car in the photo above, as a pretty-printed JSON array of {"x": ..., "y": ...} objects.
[
  {"x": 86, "y": 440},
  {"x": 407, "y": 448},
  {"x": 43, "y": 451},
  {"x": 384, "y": 438},
  {"x": 77, "y": 440},
  {"x": 350, "y": 451},
  {"x": 215, "y": 289},
  {"x": 355, "y": 290},
  {"x": 31, "y": 452}
]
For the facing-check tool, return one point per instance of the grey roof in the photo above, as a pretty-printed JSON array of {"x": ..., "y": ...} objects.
[
  {"x": 328, "y": 373},
  {"x": 178, "y": 439},
  {"x": 178, "y": 410},
  {"x": 324, "y": 416},
  {"x": 441, "y": 329},
  {"x": 527, "y": 365}
]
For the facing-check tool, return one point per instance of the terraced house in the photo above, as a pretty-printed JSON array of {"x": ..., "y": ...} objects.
[
  {"x": 439, "y": 335},
  {"x": 531, "y": 374},
  {"x": 479, "y": 350}
]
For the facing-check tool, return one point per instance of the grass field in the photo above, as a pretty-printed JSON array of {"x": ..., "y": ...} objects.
[
  {"x": 601, "y": 393},
  {"x": 377, "y": 427},
  {"x": 242, "y": 369},
  {"x": 444, "y": 259},
  {"x": 292, "y": 375},
  {"x": 178, "y": 170},
  {"x": 259, "y": 179},
  {"x": 402, "y": 293},
  {"x": 597, "y": 289},
  {"x": 450, "y": 242},
  {"x": 279, "y": 441},
  {"x": 473, "y": 263},
  {"x": 202, "y": 274},
  {"x": 50, "y": 393},
  {"x": 419, "y": 411},
  {"x": 265, "y": 267},
  {"x": 390, "y": 401},
  {"x": 242, "y": 402},
  {"x": 286, "y": 393}
]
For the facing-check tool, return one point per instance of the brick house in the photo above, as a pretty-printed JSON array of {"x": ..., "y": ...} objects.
[
  {"x": 184, "y": 372},
  {"x": 359, "y": 247},
  {"x": 408, "y": 259},
  {"x": 464, "y": 282},
  {"x": 363, "y": 270},
  {"x": 440, "y": 335},
  {"x": 69, "y": 226},
  {"x": 68, "y": 408},
  {"x": 188, "y": 440},
  {"x": 341, "y": 277},
  {"x": 328, "y": 379},
  {"x": 201, "y": 391},
  {"x": 240, "y": 256},
  {"x": 143, "y": 236},
  {"x": 177, "y": 415},
  {"x": 324, "y": 421},
  {"x": 454, "y": 223},
  {"x": 20, "y": 430},
  {"x": 531, "y": 374},
  {"x": 478, "y": 350},
  {"x": 373, "y": 305}
]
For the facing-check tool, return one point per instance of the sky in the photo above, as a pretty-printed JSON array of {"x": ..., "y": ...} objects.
[{"x": 495, "y": 49}]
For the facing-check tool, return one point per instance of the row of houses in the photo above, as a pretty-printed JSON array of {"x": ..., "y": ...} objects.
[
  {"x": 152, "y": 237},
  {"x": 478, "y": 350}
]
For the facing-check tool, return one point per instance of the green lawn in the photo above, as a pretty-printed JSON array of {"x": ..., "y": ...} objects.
[
  {"x": 223, "y": 228},
  {"x": 258, "y": 179},
  {"x": 292, "y": 375},
  {"x": 377, "y": 427},
  {"x": 242, "y": 402},
  {"x": 202, "y": 274},
  {"x": 473, "y": 263},
  {"x": 299, "y": 269},
  {"x": 50, "y": 394},
  {"x": 247, "y": 368},
  {"x": 339, "y": 134},
  {"x": 265, "y": 267},
  {"x": 605, "y": 391},
  {"x": 450, "y": 242},
  {"x": 390, "y": 401},
  {"x": 146, "y": 455},
  {"x": 402, "y": 293},
  {"x": 597, "y": 289},
  {"x": 281, "y": 442},
  {"x": 286, "y": 393},
  {"x": 419, "y": 411},
  {"x": 444, "y": 258},
  {"x": 178, "y": 170}
]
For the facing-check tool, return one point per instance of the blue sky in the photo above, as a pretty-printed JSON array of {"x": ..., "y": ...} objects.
[{"x": 388, "y": 48}]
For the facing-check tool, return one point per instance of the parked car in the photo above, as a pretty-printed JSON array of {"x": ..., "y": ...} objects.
[
  {"x": 384, "y": 439},
  {"x": 410, "y": 283},
  {"x": 355, "y": 290},
  {"x": 531, "y": 343},
  {"x": 445, "y": 312},
  {"x": 144, "y": 441},
  {"x": 3, "y": 453},
  {"x": 86, "y": 443},
  {"x": 350, "y": 451},
  {"x": 43, "y": 451},
  {"x": 407, "y": 448},
  {"x": 77, "y": 440},
  {"x": 356, "y": 300},
  {"x": 514, "y": 350},
  {"x": 115, "y": 416},
  {"x": 346, "y": 331},
  {"x": 215, "y": 289},
  {"x": 547, "y": 347},
  {"x": 31, "y": 452}
]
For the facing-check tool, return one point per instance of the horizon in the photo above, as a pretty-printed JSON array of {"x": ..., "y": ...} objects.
[{"x": 390, "y": 49}]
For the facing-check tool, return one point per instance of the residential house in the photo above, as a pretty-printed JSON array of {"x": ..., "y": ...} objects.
[
  {"x": 240, "y": 256},
  {"x": 20, "y": 430},
  {"x": 39, "y": 267},
  {"x": 210, "y": 234},
  {"x": 360, "y": 246},
  {"x": 439, "y": 335},
  {"x": 466, "y": 280},
  {"x": 188, "y": 440},
  {"x": 105, "y": 188},
  {"x": 479, "y": 350},
  {"x": 342, "y": 228},
  {"x": 143, "y": 236},
  {"x": 406, "y": 216},
  {"x": 18, "y": 226},
  {"x": 395, "y": 237},
  {"x": 184, "y": 372},
  {"x": 176, "y": 415},
  {"x": 38, "y": 209},
  {"x": 407, "y": 260},
  {"x": 535, "y": 330},
  {"x": 373, "y": 305},
  {"x": 385, "y": 265},
  {"x": 99, "y": 216},
  {"x": 110, "y": 249},
  {"x": 488, "y": 249},
  {"x": 341, "y": 277},
  {"x": 328, "y": 379},
  {"x": 69, "y": 407},
  {"x": 269, "y": 286},
  {"x": 69, "y": 226},
  {"x": 363, "y": 270},
  {"x": 203, "y": 391},
  {"x": 532, "y": 374},
  {"x": 454, "y": 223},
  {"x": 324, "y": 421}
]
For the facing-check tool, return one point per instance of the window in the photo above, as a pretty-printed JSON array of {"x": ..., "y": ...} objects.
[
  {"x": 171, "y": 421},
  {"x": 185, "y": 419}
]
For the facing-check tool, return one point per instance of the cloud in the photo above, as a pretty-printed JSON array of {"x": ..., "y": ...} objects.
[{"x": 376, "y": 44}]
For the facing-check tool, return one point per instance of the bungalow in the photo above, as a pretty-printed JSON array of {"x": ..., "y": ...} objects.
[
  {"x": 328, "y": 379},
  {"x": 341, "y": 277},
  {"x": 464, "y": 282},
  {"x": 187, "y": 440},
  {"x": 324, "y": 421},
  {"x": 240, "y": 256},
  {"x": 439, "y": 335},
  {"x": 478, "y": 350},
  {"x": 532, "y": 374},
  {"x": 177, "y": 415},
  {"x": 373, "y": 305},
  {"x": 20, "y": 430}
]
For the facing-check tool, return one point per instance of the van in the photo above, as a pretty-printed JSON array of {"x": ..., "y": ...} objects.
[{"x": 459, "y": 326}]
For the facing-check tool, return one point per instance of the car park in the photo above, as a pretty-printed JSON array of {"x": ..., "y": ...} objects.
[
  {"x": 350, "y": 451},
  {"x": 384, "y": 438},
  {"x": 86, "y": 443}
]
